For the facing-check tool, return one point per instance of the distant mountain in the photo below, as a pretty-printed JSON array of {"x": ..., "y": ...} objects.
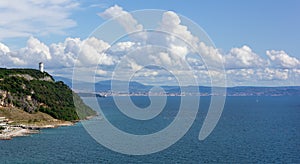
[
  {"x": 67, "y": 81},
  {"x": 136, "y": 87},
  {"x": 264, "y": 91}
]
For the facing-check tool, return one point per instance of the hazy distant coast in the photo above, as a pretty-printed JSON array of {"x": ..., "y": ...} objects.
[{"x": 104, "y": 89}]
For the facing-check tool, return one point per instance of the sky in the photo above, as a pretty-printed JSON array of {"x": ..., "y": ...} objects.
[{"x": 256, "y": 42}]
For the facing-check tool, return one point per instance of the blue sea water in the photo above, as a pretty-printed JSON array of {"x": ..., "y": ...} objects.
[{"x": 251, "y": 130}]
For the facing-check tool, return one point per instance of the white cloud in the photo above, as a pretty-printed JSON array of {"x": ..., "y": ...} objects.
[
  {"x": 244, "y": 66},
  {"x": 177, "y": 39},
  {"x": 211, "y": 56},
  {"x": 171, "y": 23},
  {"x": 165, "y": 58},
  {"x": 148, "y": 73},
  {"x": 241, "y": 74},
  {"x": 32, "y": 17},
  {"x": 261, "y": 76},
  {"x": 64, "y": 54},
  {"x": 9, "y": 58},
  {"x": 243, "y": 57},
  {"x": 101, "y": 72},
  {"x": 123, "y": 46},
  {"x": 34, "y": 52},
  {"x": 178, "y": 50},
  {"x": 58, "y": 57},
  {"x": 90, "y": 52},
  {"x": 181, "y": 41},
  {"x": 4, "y": 49},
  {"x": 273, "y": 74},
  {"x": 282, "y": 60},
  {"x": 123, "y": 17},
  {"x": 296, "y": 71}
]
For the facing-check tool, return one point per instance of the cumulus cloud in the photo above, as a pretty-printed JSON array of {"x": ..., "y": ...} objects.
[
  {"x": 3, "y": 49},
  {"x": 282, "y": 60},
  {"x": 274, "y": 74},
  {"x": 211, "y": 55},
  {"x": 34, "y": 52},
  {"x": 92, "y": 52},
  {"x": 260, "y": 76},
  {"x": 58, "y": 57},
  {"x": 124, "y": 46},
  {"x": 8, "y": 58},
  {"x": 89, "y": 52},
  {"x": 171, "y": 23},
  {"x": 182, "y": 42},
  {"x": 242, "y": 64},
  {"x": 101, "y": 72},
  {"x": 64, "y": 54},
  {"x": 243, "y": 57},
  {"x": 171, "y": 50},
  {"x": 30, "y": 17},
  {"x": 165, "y": 58},
  {"x": 123, "y": 17},
  {"x": 176, "y": 38},
  {"x": 179, "y": 37}
]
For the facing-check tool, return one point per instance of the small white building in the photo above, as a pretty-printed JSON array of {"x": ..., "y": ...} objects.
[{"x": 41, "y": 66}]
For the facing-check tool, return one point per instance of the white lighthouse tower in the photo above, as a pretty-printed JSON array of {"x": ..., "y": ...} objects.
[{"x": 41, "y": 66}]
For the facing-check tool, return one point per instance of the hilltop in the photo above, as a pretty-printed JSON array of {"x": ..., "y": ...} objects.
[{"x": 36, "y": 92}]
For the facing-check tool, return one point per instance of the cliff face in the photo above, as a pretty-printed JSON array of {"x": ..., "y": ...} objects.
[
  {"x": 33, "y": 91},
  {"x": 5, "y": 99}
]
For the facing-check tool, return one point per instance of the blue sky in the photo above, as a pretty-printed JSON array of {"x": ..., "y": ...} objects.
[{"x": 259, "y": 25}]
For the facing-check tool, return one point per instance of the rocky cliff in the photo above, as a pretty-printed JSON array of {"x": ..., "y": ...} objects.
[{"x": 33, "y": 91}]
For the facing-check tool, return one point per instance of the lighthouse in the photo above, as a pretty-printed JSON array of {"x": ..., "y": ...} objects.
[{"x": 41, "y": 66}]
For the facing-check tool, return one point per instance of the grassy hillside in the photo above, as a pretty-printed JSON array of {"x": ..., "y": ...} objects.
[
  {"x": 30, "y": 119},
  {"x": 20, "y": 116},
  {"x": 31, "y": 72},
  {"x": 34, "y": 91}
]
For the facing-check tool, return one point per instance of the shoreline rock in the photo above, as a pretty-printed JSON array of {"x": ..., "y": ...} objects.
[
  {"x": 23, "y": 125},
  {"x": 11, "y": 132},
  {"x": 24, "y": 130}
]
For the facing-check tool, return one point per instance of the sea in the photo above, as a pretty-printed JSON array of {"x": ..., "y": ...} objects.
[{"x": 261, "y": 129}]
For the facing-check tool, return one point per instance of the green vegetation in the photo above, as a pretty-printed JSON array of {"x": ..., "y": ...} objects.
[
  {"x": 20, "y": 116},
  {"x": 31, "y": 72},
  {"x": 47, "y": 96}
]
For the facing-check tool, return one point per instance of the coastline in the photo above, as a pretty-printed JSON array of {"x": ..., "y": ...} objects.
[
  {"x": 15, "y": 122},
  {"x": 12, "y": 131},
  {"x": 20, "y": 130}
]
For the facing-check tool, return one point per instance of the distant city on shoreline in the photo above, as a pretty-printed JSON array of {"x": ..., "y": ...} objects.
[{"x": 104, "y": 89}]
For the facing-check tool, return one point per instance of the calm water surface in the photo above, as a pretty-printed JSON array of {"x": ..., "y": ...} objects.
[{"x": 251, "y": 129}]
